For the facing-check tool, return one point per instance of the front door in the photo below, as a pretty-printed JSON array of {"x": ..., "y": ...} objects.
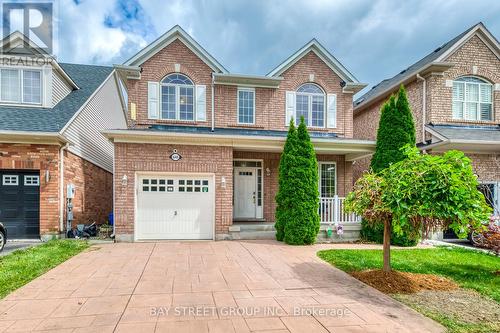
[{"x": 245, "y": 192}]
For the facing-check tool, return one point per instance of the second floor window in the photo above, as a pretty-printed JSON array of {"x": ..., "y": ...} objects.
[
  {"x": 20, "y": 86},
  {"x": 310, "y": 103},
  {"x": 246, "y": 106},
  {"x": 177, "y": 98},
  {"x": 472, "y": 99}
]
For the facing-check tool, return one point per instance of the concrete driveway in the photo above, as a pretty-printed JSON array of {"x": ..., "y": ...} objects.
[{"x": 230, "y": 286}]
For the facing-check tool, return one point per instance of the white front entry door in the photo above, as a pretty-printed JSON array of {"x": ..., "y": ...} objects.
[
  {"x": 245, "y": 192},
  {"x": 175, "y": 207}
]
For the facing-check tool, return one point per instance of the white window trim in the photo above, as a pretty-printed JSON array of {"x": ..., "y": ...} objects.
[
  {"x": 238, "y": 105},
  {"x": 309, "y": 107},
  {"x": 319, "y": 176},
  {"x": 37, "y": 178},
  {"x": 16, "y": 177},
  {"x": 21, "y": 102},
  {"x": 177, "y": 100},
  {"x": 478, "y": 103}
]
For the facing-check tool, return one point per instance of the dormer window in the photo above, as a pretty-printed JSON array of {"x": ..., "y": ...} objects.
[
  {"x": 20, "y": 86},
  {"x": 472, "y": 99},
  {"x": 177, "y": 98}
]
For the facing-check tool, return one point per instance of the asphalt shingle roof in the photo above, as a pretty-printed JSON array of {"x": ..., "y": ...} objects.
[
  {"x": 404, "y": 74},
  {"x": 87, "y": 77},
  {"x": 231, "y": 131},
  {"x": 478, "y": 133}
]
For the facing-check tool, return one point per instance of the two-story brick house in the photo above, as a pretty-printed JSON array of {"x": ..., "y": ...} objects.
[
  {"x": 454, "y": 93},
  {"x": 51, "y": 115},
  {"x": 202, "y": 146}
]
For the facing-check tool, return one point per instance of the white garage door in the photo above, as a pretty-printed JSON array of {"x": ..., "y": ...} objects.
[{"x": 175, "y": 207}]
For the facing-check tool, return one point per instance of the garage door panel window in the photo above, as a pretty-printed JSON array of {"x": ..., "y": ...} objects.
[
  {"x": 31, "y": 180},
  {"x": 168, "y": 185},
  {"x": 10, "y": 180}
]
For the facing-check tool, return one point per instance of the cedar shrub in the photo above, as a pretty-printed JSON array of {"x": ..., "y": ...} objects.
[
  {"x": 303, "y": 221},
  {"x": 396, "y": 129},
  {"x": 286, "y": 186}
]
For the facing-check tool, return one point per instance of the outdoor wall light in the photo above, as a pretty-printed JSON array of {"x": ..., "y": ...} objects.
[
  {"x": 124, "y": 180},
  {"x": 47, "y": 176},
  {"x": 223, "y": 182},
  {"x": 268, "y": 172}
]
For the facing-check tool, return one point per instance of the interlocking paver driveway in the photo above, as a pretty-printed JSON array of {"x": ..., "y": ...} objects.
[{"x": 228, "y": 286}]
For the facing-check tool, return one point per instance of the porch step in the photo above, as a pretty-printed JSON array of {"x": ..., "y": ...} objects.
[
  {"x": 257, "y": 226},
  {"x": 257, "y": 235}
]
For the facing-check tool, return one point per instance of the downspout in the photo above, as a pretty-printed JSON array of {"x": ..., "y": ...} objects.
[
  {"x": 424, "y": 104},
  {"x": 213, "y": 102},
  {"x": 61, "y": 187}
]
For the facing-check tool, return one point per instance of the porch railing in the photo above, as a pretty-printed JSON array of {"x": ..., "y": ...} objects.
[{"x": 331, "y": 211}]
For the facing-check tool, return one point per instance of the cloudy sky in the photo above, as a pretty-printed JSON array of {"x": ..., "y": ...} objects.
[{"x": 374, "y": 39}]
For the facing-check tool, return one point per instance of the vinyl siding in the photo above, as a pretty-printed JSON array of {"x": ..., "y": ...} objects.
[
  {"x": 60, "y": 88},
  {"x": 103, "y": 111}
]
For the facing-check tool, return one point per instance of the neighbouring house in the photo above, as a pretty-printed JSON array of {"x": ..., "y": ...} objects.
[
  {"x": 199, "y": 157},
  {"x": 51, "y": 115},
  {"x": 454, "y": 94}
]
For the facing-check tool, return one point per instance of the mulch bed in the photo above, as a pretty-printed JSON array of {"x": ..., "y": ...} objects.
[{"x": 396, "y": 282}]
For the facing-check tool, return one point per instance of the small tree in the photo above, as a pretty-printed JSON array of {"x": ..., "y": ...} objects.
[
  {"x": 421, "y": 190},
  {"x": 285, "y": 182},
  {"x": 396, "y": 129},
  {"x": 302, "y": 216}
]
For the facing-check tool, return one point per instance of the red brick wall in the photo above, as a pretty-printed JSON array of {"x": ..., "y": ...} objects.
[
  {"x": 271, "y": 161},
  {"x": 473, "y": 53},
  {"x": 270, "y": 103},
  {"x": 93, "y": 190},
  {"x": 131, "y": 158},
  {"x": 156, "y": 68},
  {"x": 43, "y": 158}
]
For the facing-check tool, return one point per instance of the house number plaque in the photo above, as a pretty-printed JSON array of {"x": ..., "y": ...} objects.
[{"x": 175, "y": 156}]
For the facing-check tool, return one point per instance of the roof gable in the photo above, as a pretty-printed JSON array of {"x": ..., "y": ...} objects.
[
  {"x": 322, "y": 53},
  {"x": 176, "y": 33},
  {"x": 436, "y": 59}
]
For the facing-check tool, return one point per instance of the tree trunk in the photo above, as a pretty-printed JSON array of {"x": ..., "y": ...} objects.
[{"x": 387, "y": 246}]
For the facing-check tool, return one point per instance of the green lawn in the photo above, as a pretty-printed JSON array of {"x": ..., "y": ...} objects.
[
  {"x": 469, "y": 269},
  {"x": 22, "y": 266}
]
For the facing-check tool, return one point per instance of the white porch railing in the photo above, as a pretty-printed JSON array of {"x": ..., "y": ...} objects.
[{"x": 331, "y": 211}]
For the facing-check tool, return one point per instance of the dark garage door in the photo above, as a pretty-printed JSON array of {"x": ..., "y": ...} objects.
[{"x": 20, "y": 203}]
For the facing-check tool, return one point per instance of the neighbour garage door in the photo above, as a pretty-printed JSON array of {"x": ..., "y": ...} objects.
[
  {"x": 20, "y": 203},
  {"x": 175, "y": 207}
]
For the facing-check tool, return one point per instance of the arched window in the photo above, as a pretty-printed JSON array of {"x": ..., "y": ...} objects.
[
  {"x": 177, "y": 97},
  {"x": 310, "y": 103},
  {"x": 472, "y": 99}
]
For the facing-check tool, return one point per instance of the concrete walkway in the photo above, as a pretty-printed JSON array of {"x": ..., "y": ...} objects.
[{"x": 230, "y": 286}]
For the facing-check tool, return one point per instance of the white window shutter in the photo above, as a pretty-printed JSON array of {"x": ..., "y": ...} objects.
[
  {"x": 289, "y": 107},
  {"x": 201, "y": 103},
  {"x": 331, "y": 116},
  {"x": 153, "y": 100},
  {"x": 47, "y": 87}
]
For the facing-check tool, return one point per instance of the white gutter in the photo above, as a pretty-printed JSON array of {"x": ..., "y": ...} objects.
[
  {"x": 424, "y": 104},
  {"x": 61, "y": 186},
  {"x": 213, "y": 102}
]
